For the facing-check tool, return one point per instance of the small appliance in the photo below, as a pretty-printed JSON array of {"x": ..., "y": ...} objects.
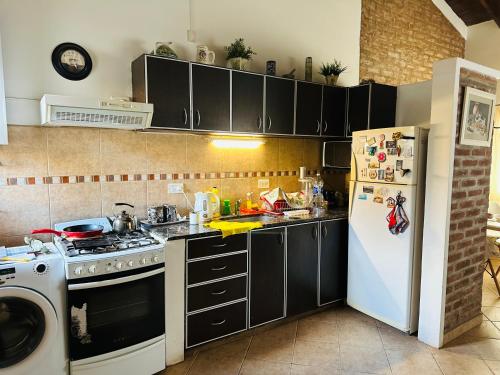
[
  {"x": 337, "y": 154},
  {"x": 206, "y": 205},
  {"x": 116, "y": 301},
  {"x": 386, "y": 204},
  {"x": 32, "y": 312}
]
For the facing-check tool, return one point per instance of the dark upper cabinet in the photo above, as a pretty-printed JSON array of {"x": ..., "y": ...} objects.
[
  {"x": 334, "y": 111},
  {"x": 165, "y": 84},
  {"x": 267, "y": 275},
  {"x": 280, "y": 104},
  {"x": 357, "y": 113},
  {"x": 211, "y": 98},
  {"x": 302, "y": 268},
  {"x": 248, "y": 102},
  {"x": 308, "y": 108},
  {"x": 371, "y": 106},
  {"x": 333, "y": 261}
]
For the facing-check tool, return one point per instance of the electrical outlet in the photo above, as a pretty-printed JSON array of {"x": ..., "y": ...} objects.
[
  {"x": 177, "y": 188},
  {"x": 263, "y": 184}
]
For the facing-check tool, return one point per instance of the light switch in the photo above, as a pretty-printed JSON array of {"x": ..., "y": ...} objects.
[{"x": 176, "y": 188}]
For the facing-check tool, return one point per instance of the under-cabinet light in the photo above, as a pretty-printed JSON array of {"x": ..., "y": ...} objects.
[{"x": 236, "y": 143}]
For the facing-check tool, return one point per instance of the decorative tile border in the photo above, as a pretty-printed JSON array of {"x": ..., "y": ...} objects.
[{"x": 178, "y": 176}]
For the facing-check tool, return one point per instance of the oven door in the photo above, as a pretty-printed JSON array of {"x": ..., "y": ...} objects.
[{"x": 112, "y": 312}]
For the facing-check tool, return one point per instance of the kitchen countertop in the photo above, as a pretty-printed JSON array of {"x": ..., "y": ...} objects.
[{"x": 186, "y": 231}]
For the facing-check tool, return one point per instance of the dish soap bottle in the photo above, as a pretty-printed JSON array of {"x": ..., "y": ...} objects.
[
  {"x": 249, "y": 201},
  {"x": 215, "y": 201}
]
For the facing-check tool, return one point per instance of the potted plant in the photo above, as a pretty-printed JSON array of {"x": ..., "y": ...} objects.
[
  {"x": 238, "y": 55},
  {"x": 331, "y": 71}
]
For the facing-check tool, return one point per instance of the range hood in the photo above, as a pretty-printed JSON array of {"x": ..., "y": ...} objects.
[{"x": 59, "y": 110}]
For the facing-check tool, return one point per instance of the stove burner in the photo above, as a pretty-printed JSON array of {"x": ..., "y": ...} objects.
[{"x": 109, "y": 242}]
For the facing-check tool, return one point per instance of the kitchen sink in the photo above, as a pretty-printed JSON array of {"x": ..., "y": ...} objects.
[{"x": 244, "y": 219}]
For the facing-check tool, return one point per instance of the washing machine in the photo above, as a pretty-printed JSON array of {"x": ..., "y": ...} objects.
[{"x": 32, "y": 313}]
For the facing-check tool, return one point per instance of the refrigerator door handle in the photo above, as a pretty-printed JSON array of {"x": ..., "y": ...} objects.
[{"x": 351, "y": 198}]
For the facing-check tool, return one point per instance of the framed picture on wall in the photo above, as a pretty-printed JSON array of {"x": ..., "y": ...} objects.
[{"x": 477, "y": 118}]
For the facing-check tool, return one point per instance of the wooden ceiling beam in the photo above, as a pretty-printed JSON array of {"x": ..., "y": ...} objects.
[{"x": 493, "y": 9}]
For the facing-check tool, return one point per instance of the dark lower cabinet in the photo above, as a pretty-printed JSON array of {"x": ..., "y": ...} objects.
[
  {"x": 218, "y": 322},
  {"x": 211, "y": 98},
  {"x": 334, "y": 111},
  {"x": 308, "y": 108},
  {"x": 280, "y": 104},
  {"x": 248, "y": 102},
  {"x": 267, "y": 275},
  {"x": 333, "y": 261},
  {"x": 302, "y": 268}
]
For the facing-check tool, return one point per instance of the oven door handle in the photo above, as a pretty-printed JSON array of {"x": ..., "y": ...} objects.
[{"x": 120, "y": 280}]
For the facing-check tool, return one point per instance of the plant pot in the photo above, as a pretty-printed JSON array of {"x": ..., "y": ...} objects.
[
  {"x": 238, "y": 63},
  {"x": 332, "y": 80}
]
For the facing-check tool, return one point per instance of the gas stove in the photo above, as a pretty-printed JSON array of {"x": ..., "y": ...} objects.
[{"x": 109, "y": 253}]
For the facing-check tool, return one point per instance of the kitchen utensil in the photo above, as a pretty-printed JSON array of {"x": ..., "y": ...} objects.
[
  {"x": 193, "y": 218},
  {"x": 169, "y": 213},
  {"x": 155, "y": 214},
  {"x": 206, "y": 205},
  {"x": 123, "y": 222},
  {"x": 75, "y": 231}
]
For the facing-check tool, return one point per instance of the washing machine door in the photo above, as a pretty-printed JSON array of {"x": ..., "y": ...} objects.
[{"x": 28, "y": 327}]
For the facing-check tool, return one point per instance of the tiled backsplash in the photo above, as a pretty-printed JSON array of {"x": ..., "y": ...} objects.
[{"x": 48, "y": 175}]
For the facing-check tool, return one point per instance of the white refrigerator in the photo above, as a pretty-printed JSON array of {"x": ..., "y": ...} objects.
[{"x": 386, "y": 206}]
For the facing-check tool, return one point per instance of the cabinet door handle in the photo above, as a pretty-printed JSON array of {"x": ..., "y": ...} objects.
[
  {"x": 315, "y": 232},
  {"x": 218, "y": 268},
  {"x": 282, "y": 238},
  {"x": 324, "y": 231},
  {"x": 259, "y": 123},
  {"x": 318, "y": 128},
  {"x": 270, "y": 122},
  {"x": 220, "y": 245},
  {"x": 326, "y": 127},
  {"x": 219, "y": 293},
  {"x": 218, "y": 323},
  {"x": 198, "y": 118},
  {"x": 348, "y": 128},
  {"x": 185, "y": 116}
]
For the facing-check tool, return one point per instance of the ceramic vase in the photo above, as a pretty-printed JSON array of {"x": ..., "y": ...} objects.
[{"x": 238, "y": 63}]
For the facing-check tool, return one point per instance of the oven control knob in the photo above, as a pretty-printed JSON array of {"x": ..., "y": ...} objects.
[
  {"x": 155, "y": 259},
  {"x": 119, "y": 265},
  {"x": 142, "y": 261},
  {"x": 130, "y": 263},
  {"x": 92, "y": 268},
  {"x": 78, "y": 270}
]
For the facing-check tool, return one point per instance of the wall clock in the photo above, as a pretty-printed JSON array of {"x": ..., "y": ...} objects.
[{"x": 71, "y": 61}]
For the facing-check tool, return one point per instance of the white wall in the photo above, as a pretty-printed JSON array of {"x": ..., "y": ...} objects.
[
  {"x": 482, "y": 46},
  {"x": 116, "y": 31}
]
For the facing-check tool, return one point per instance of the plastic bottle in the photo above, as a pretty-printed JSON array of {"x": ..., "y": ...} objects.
[
  {"x": 216, "y": 202},
  {"x": 318, "y": 199}
]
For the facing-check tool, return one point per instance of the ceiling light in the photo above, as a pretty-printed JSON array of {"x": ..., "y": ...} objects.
[{"x": 237, "y": 143}]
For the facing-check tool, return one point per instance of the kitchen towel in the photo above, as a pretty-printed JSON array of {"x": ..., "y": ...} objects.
[{"x": 229, "y": 228}]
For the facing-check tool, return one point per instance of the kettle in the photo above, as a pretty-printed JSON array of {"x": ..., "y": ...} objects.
[
  {"x": 206, "y": 205},
  {"x": 123, "y": 223}
]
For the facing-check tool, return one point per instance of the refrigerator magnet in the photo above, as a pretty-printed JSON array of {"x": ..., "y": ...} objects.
[
  {"x": 372, "y": 150},
  {"x": 371, "y": 141},
  {"x": 378, "y": 199},
  {"x": 389, "y": 174},
  {"x": 390, "y": 144},
  {"x": 381, "y": 157},
  {"x": 380, "y": 174},
  {"x": 407, "y": 151},
  {"x": 391, "y": 151},
  {"x": 364, "y": 172},
  {"x": 373, "y": 174},
  {"x": 398, "y": 150},
  {"x": 381, "y": 139},
  {"x": 396, "y": 136},
  {"x": 363, "y": 197},
  {"x": 399, "y": 164},
  {"x": 368, "y": 189},
  {"x": 391, "y": 202},
  {"x": 373, "y": 164},
  {"x": 404, "y": 171}
]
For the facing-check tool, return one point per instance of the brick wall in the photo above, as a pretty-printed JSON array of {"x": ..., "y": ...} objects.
[
  {"x": 469, "y": 207},
  {"x": 401, "y": 39}
]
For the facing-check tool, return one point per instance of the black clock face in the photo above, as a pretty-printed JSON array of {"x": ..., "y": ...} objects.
[{"x": 71, "y": 61}]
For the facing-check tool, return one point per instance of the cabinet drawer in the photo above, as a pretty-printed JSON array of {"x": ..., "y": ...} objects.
[
  {"x": 215, "y": 323},
  {"x": 216, "y": 268},
  {"x": 213, "y": 294},
  {"x": 205, "y": 247}
]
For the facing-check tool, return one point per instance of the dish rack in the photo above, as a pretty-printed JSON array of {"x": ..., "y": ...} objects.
[{"x": 281, "y": 206}]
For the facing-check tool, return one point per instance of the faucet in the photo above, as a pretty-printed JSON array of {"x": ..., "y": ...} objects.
[{"x": 237, "y": 206}]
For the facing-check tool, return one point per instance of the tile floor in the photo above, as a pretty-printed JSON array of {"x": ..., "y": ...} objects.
[{"x": 344, "y": 341}]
